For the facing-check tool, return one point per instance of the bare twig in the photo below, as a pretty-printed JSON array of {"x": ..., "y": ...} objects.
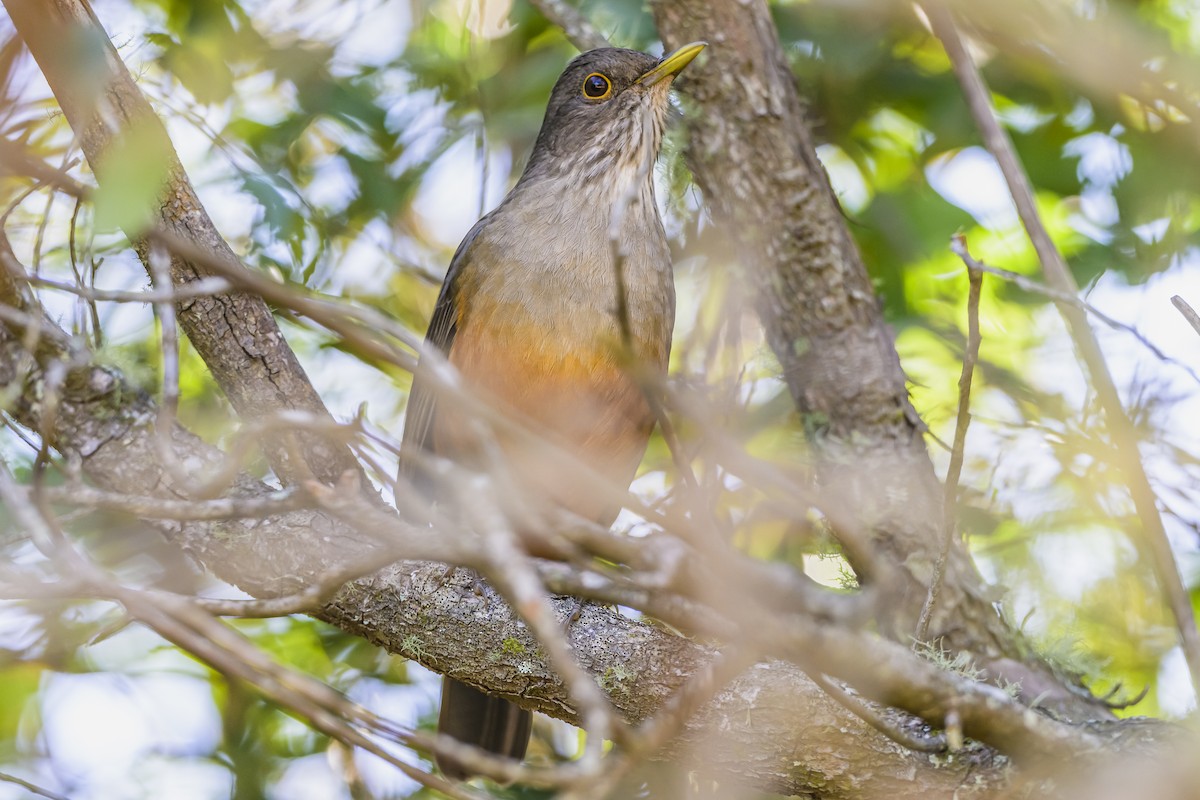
[
  {"x": 180, "y": 622},
  {"x": 1125, "y": 702},
  {"x": 922, "y": 744},
  {"x": 159, "y": 262},
  {"x": 35, "y": 327},
  {"x": 17, "y": 160},
  {"x": 1188, "y": 312},
  {"x": 31, "y": 787},
  {"x": 1059, "y": 275},
  {"x": 200, "y": 288},
  {"x": 650, "y": 384},
  {"x": 649, "y": 737},
  {"x": 222, "y": 474},
  {"x": 633, "y": 192},
  {"x": 149, "y": 507},
  {"x": 954, "y": 470},
  {"x": 1071, "y": 299},
  {"x": 510, "y": 570}
]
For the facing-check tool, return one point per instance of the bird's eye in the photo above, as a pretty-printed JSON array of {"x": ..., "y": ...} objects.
[{"x": 596, "y": 87}]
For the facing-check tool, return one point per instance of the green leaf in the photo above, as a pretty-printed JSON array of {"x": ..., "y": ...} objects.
[{"x": 132, "y": 174}]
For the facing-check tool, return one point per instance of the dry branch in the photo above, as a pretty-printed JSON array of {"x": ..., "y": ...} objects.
[
  {"x": 954, "y": 470},
  {"x": 235, "y": 334},
  {"x": 107, "y": 427},
  {"x": 1058, "y": 274}
]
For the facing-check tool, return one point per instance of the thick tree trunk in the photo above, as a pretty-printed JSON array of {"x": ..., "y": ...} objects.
[
  {"x": 753, "y": 156},
  {"x": 751, "y": 153}
]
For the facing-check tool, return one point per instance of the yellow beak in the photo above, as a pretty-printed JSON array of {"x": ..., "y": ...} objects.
[{"x": 671, "y": 65}]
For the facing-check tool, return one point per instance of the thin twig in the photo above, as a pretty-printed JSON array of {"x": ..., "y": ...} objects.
[
  {"x": 1072, "y": 299},
  {"x": 31, "y": 787},
  {"x": 651, "y": 735},
  {"x": 35, "y": 327},
  {"x": 1059, "y": 276},
  {"x": 616, "y": 221},
  {"x": 511, "y": 571},
  {"x": 1188, "y": 312},
  {"x": 153, "y": 507},
  {"x": 935, "y": 743},
  {"x": 650, "y": 384},
  {"x": 308, "y": 601},
  {"x": 954, "y": 470},
  {"x": 203, "y": 287},
  {"x": 180, "y": 622},
  {"x": 222, "y": 476},
  {"x": 159, "y": 261},
  {"x": 17, "y": 159},
  {"x": 619, "y": 211}
]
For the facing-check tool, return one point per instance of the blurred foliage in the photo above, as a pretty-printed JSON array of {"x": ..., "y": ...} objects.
[{"x": 347, "y": 146}]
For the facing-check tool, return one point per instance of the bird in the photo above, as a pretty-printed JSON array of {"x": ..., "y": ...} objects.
[{"x": 532, "y": 316}]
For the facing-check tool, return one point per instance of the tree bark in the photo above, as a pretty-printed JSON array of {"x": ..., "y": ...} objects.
[
  {"x": 408, "y": 609},
  {"x": 752, "y": 154},
  {"x": 771, "y": 727}
]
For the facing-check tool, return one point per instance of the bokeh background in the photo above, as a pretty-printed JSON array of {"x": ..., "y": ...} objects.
[{"x": 348, "y": 146}]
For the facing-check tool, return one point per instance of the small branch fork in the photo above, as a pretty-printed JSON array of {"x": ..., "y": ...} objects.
[
  {"x": 958, "y": 246},
  {"x": 1060, "y": 278}
]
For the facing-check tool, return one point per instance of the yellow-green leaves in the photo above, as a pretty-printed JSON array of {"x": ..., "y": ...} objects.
[{"x": 131, "y": 177}]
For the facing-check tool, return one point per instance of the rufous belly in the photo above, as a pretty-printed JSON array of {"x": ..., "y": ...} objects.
[{"x": 568, "y": 387}]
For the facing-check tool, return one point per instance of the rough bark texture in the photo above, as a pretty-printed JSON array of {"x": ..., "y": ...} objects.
[
  {"x": 751, "y": 152},
  {"x": 771, "y": 727},
  {"x": 816, "y": 748},
  {"x": 754, "y": 730},
  {"x": 235, "y": 334}
]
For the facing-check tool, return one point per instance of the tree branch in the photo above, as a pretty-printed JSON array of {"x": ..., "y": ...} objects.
[
  {"x": 1059, "y": 275},
  {"x": 954, "y": 470},
  {"x": 235, "y": 334},
  {"x": 752, "y": 154},
  {"x": 107, "y": 427}
]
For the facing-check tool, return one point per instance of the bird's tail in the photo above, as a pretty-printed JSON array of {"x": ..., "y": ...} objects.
[{"x": 491, "y": 723}]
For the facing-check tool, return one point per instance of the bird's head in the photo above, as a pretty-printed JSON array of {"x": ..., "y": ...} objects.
[{"x": 607, "y": 112}]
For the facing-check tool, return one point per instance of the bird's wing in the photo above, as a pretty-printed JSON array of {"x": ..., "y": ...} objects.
[{"x": 422, "y": 400}]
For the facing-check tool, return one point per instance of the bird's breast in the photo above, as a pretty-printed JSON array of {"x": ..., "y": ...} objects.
[{"x": 542, "y": 341}]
